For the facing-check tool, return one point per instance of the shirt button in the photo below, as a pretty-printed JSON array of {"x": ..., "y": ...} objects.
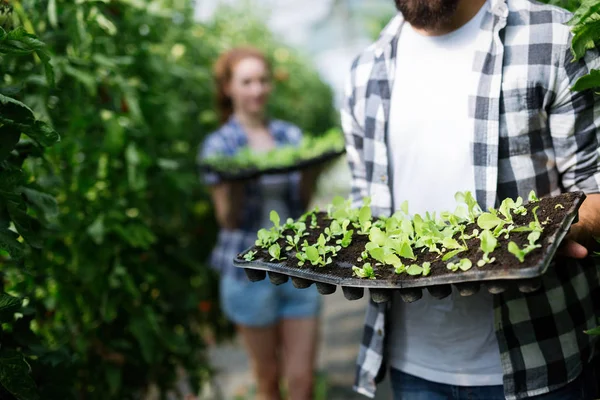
[
  {"x": 379, "y": 332},
  {"x": 383, "y": 179}
]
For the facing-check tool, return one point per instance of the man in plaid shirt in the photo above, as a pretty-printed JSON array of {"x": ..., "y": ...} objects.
[{"x": 475, "y": 95}]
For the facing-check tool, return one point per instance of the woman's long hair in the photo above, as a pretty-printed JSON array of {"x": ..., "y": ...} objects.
[{"x": 223, "y": 72}]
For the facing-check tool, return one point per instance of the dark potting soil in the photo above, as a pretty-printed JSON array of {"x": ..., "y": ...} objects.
[
  {"x": 230, "y": 173},
  {"x": 550, "y": 216}
]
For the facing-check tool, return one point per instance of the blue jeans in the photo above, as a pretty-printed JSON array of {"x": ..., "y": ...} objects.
[{"x": 408, "y": 387}]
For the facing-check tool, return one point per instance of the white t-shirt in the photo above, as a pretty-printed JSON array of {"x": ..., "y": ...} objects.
[{"x": 452, "y": 340}]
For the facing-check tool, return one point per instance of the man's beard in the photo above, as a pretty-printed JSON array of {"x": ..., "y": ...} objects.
[{"x": 427, "y": 14}]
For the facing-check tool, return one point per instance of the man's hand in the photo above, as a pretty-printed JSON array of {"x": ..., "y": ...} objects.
[
  {"x": 581, "y": 238},
  {"x": 571, "y": 246}
]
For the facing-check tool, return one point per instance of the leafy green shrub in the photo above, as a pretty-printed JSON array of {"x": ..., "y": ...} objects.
[{"x": 120, "y": 296}]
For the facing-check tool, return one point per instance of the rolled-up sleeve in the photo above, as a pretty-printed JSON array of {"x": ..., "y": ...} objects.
[
  {"x": 354, "y": 135},
  {"x": 574, "y": 121}
]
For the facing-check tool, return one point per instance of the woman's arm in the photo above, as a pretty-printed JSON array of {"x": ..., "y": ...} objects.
[
  {"x": 228, "y": 200},
  {"x": 308, "y": 184}
]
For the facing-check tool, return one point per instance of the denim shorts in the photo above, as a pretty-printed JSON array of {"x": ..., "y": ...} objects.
[{"x": 259, "y": 304}]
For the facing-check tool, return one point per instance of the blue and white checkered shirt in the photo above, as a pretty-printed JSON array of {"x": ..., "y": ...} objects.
[
  {"x": 531, "y": 133},
  {"x": 227, "y": 141}
]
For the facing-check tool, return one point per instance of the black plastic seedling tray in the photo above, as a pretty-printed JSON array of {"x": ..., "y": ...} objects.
[
  {"x": 246, "y": 174},
  {"x": 527, "y": 278}
]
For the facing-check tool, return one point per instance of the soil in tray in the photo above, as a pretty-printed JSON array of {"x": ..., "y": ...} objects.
[{"x": 341, "y": 266}]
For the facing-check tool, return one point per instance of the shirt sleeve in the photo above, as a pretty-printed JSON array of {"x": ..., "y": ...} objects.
[
  {"x": 354, "y": 135},
  {"x": 212, "y": 146},
  {"x": 574, "y": 121}
]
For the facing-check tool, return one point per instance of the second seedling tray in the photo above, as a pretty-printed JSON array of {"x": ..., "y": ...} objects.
[{"x": 252, "y": 173}]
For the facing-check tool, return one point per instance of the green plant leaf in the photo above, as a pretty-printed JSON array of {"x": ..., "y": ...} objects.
[
  {"x": 8, "y": 306},
  {"x": 465, "y": 264},
  {"x": 275, "y": 251},
  {"x": 392, "y": 259},
  {"x": 312, "y": 253},
  {"x": 9, "y": 137},
  {"x": 274, "y": 217},
  {"x": 15, "y": 376},
  {"x": 594, "y": 331},
  {"x": 145, "y": 339},
  {"x": 514, "y": 249},
  {"x": 532, "y": 198},
  {"x": 451, "y": 254},
  {"x": 488, "y": 221},
  {"x": 377, "y": 253},
  {"x": 414, "y": 269},
  {"x": 42, "y": 201},
  {"x": 450, "y": 243},
  {"x": 364, "y": 215},
  {"x": 426, "y": 268},
  {"x": 406, "y": 251},
  {"x": 377, "y": 236},
  {"x": 589, "y": 81},
  {"x": 488, "y": 241},
  {"x": 113, "y": 378},
  {"x": 10, "y": 244}
]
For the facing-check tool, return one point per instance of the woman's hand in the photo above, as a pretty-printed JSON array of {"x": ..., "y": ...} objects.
[
  {"x": 308, "y": 183},
  {"x": 228, "y": 200}
]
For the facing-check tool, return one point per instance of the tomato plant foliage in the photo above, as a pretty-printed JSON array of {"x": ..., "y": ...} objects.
[{"x": 105, "y": 234}]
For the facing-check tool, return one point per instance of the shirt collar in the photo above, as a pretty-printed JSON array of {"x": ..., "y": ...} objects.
[
  {"x": 276, "y": 129},
  {"x": 498, "y": 8}
]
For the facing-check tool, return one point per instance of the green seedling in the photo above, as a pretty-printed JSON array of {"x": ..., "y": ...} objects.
[
  {"x": 559, "y": 206},
  {"x": 274, "y": 217},
  {"x": 514, "y": 249},
  {"x": 393, "y": 260},
  {"x": 365, "y": 272},
  {"x": 506, "y": 208},
  {"x": 534, "y": 225},
  {"x": 376, "y": 252},
  {"x": 314, "y": 223},
  {"x": 414, "y": 269},
  {"x": 377, "y": 236},
  {"x": 346, "y": 240},
  {"x": 474, "y": 233},
  {"x": 266, "y": 238},
  {"x": 275, "y": 253},
  {"x": 364, "y": 220},
  {"x": 426, "y": 268},
  {"x": 289, "y": 224},
  {"x": 473, "y": 209},
  {"x": 464, "y": 265},
  {"x": 488, "y": 244},
  {"x": 532, "y": 197},
  {"x": 300, "y": 229},
  {"x": 339, "y": 229},
  {"x": 454, "y": 247},
  {"x": 249, "y": 256},
  {"x": 292, "y": 242},
  {"x": 489, "y": 220},
  {"x": 312, "y": 255}
]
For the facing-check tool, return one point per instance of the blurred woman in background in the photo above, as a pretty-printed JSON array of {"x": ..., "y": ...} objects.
[{"x": 278, "y": 324}]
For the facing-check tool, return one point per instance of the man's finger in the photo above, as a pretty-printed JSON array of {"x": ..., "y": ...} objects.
[{"x": 573, "y": 249}]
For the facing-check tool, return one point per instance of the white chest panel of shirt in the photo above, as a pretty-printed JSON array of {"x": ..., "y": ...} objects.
[{"x": 449, "y": 341}]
